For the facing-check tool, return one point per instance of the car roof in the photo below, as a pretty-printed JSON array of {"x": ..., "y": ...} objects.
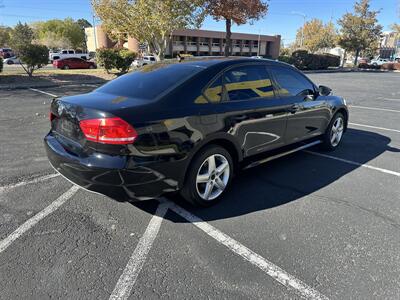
[{"x": 207, "y": 62}]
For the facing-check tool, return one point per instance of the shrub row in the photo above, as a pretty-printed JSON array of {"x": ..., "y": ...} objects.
[
  {"x": 120, "y": 59},
  {"x": 1, "y": 64},
  {"x": 387, "y": 66},
  {"x": 303, "y": 60}
]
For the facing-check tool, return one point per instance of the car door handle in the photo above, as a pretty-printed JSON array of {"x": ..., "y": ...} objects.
[
  {"x": 294, "y": 108},
  {"x": 240, "y": 118}
]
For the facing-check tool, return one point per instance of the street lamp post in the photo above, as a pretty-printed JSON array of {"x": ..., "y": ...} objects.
[{"x": 298, "y": 13}]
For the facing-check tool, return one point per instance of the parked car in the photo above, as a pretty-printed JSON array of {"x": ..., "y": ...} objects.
[
  {"x": 12, "y": 60},
  {"x": 6, "y": 52},
  {"x": 363, "y": 60},
  {"x": 70, "y": 53},
  {"x": 379, "y": 61},
  {"x": 74, "y": 63},
  {"x": 189, "y": 127},
  {"x": 145, "y": 60}
]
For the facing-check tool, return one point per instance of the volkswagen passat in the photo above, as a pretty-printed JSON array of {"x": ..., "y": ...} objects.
[{"x": 188, "y": 127}]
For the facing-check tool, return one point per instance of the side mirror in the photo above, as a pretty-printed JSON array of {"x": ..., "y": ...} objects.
[{"x": 324, "y": 90}]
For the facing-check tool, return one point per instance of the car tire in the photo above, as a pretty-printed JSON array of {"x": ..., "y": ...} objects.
[
  {"x": 66, "y": 67},
  {"x": 10, "y": 62},
  {"x": 204, "y": 184},
  {"x": 92, "y": 67},
  {"x": 334, "y": 133}
]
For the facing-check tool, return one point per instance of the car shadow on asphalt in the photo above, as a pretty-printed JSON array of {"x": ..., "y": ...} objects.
[{"x": 287, "y": 179}]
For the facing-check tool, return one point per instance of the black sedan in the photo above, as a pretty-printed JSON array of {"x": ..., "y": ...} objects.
[{"x": 189, "y": 127}]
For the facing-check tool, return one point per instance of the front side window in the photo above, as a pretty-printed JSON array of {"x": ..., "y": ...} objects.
[
  {"x": 248, "y": 82},
  {"x": 291, "y": 83}
]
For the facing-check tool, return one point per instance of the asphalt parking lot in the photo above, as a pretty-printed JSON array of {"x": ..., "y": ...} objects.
[{"x": 310, "y": 225}]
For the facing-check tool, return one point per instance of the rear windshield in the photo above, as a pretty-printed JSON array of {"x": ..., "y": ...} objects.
[{"x": 150, "y": 81}]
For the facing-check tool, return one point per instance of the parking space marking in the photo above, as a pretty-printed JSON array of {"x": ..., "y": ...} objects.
[
  {"x": 22, "y": 183},
  {"x": 374, "y": 127},
  {"x": 43, "y": 92},
  {"x": 375, "y": 108},
  {"x": 36, "y": 218},
  {"x": 390, "y": 99},
  {"x": 354, "y": 163},
  {"x": 266, "y": 266},
  {"x": 128, "y": 278}
]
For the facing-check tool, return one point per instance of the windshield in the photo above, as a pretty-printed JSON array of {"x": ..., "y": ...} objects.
[{"x": 150, "y": 81}]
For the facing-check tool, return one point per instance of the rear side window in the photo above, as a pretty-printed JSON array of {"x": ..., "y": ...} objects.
[
  {"x": 151, "y": 81},
  {"x": 291, "y": 83},
  {"x": 248, "y": 82},
  {"x": 214, "y": 91},
  {"x": 152, "y": 59}
]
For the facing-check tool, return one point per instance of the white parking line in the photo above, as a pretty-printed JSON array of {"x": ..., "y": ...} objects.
[
  {"x": 36, "y": 218},
  {"x": 390, "y": 99},
  {"x": 268, "y": 267},
  {"x": 374, "y": 127},
  {"x": 375, "y": 108},
  {"x": 22, "y": 183},
  {"x": 127, "y": 280},
  {"x": 43, "y": 92},
  {"x": 354, "y": 163}
]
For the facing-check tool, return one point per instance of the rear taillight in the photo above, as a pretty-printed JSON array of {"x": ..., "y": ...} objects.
[{"x": 108, "y": 131}]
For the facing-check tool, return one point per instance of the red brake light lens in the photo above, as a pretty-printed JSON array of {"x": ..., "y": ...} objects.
[
  {"x": 108, "y": 131},
  {"x": 51, "y": 116}
]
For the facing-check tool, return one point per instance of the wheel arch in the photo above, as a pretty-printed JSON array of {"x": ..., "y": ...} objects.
[
  {"x": 345, "y": 113},
  {"x": 223, "y": 140}
]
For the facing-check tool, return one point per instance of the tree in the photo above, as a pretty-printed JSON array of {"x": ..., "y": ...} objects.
[
  {"x": 316, "y": 35},
  {"x": 21, "y": 36},
  {"x": 396, "y": 29},
  {"x": 61, "y": 33},
  {"x": 33, "y": 57},
  {"x": 83, "y": 23},
  {"x": 237, "y": 11},
  {"x": 360, "y": 30},
  {"x": 151, "y": 22},
  {"x": 5, "y": 35}
]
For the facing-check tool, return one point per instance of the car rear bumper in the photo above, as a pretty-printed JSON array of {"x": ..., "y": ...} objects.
[{"x": 119, "y": 177}]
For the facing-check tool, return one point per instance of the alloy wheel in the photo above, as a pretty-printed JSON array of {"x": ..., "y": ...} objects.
[
  {"x": 212, "y": 177},
  {"x": 337, "y": 131}
]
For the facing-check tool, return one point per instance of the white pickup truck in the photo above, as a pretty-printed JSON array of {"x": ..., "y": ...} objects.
[{"x": 69, "y": 53}]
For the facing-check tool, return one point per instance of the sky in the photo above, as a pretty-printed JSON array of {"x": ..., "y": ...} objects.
[{"x": 283, "y": 17}]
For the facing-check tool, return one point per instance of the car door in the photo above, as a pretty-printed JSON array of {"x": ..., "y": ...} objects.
[
  {"x": 309, "y": 113},
  {"x": 250, "y": 109}
]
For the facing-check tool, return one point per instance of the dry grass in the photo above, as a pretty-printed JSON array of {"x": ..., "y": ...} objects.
[{"x": 16, "y": 76}]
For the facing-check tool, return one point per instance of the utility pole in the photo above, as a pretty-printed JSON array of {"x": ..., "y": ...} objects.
[
  {"x": 94, "y": 32},
  {"x": 298, "y": 13},
  {"x": 259, "y": 42}
]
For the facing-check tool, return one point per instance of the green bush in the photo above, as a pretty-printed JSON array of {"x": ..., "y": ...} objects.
[
  {"x": 119, "y": 59},
  {"x": 287, "y": 59},
  {"x": 33, "y": 57},
  {"x": 307, "y": 61},
  {"x": 1, "y": 64},
  {"x": 124, "y": 60}
]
